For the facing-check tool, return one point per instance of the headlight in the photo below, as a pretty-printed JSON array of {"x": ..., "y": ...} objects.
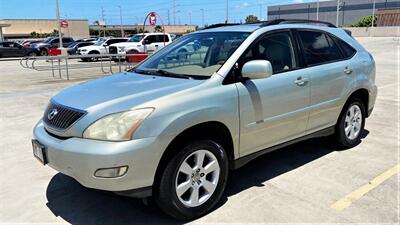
[
  {"x": 83, "y": 50},
  {"x": 121, "y": 49},
  {"x": 117, "y": 126}
]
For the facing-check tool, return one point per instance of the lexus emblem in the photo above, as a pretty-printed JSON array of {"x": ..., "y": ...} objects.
[{"x": 52, "y": 114}]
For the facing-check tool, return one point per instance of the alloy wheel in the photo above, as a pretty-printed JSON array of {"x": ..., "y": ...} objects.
[
  {"x": 197, "y": 178},
  {"x": 353, "y": 122}
]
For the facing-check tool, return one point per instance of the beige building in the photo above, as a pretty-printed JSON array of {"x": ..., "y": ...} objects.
[
  {"x": 173, "y": 29},
  {"x": 21, "y": 28}
]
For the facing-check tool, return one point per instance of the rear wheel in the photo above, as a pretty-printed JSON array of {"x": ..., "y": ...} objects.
[
  {"x": 43, "y": 52},
  {"x": 351, "y": 123},
  {"x": 32, "y": 54},
  {"x": 193, "y": 181}
]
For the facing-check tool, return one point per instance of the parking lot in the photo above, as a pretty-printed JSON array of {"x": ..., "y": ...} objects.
[{"x": 298, "y": 184}]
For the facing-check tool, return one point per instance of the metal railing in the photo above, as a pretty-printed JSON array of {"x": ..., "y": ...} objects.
[{"x": 107, "y": 63}]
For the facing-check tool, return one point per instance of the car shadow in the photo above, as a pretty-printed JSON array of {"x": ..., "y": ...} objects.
[{"x": 82, "y": 206}]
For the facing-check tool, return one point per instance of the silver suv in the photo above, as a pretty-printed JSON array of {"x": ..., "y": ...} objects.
[{"x": 173, "y": 127}]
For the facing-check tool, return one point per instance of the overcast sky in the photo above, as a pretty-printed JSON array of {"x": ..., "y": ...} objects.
[{"x": 134, "y": 11}]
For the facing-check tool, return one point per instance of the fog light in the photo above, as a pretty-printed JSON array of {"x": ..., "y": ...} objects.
[{"x": 111, "y": 172}]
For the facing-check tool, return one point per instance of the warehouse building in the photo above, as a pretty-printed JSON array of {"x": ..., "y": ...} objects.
[
  {"x": 350, "y": 11},
  {"x": 22, "y": 28}
]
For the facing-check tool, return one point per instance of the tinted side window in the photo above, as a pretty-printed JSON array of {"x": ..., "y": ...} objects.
[
  {"x": 347, "y": 50},
  {"x": 151, "y": 38},
  {"x": 67, "y": 40},
  {"x": 319, "y": 48},
  {"x": 276, "y": 48},
  {"x": 160, "y": 38}
]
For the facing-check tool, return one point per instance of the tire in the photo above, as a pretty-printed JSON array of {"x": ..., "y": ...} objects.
[
  {"x": 43, "y": 52},
  {"x": 93, "y": 59},
  {"x": 185, "y": 206},
  {"x": 32, "y": 54},
  {"x": 350, "y": 125}
]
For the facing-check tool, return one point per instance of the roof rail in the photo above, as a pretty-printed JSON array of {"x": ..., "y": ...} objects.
[
  {"x": 220, "y": 25},
  {"x": 291, "y": 21}
]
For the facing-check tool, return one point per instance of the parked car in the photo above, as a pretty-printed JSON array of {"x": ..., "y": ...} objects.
[
  {"x": 87, "y": 40},
  {"x": 51, "y": 42},
  {"x": 173, "y": 129},
  {"x": 13, "y": 49},
  {"x": 28, "y": 43},
  {"x": 100, "y": 47},
  {"x": 139, "y": 43},
  {"x": 72, "y": 49}
]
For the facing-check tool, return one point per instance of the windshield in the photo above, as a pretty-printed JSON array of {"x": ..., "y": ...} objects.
[
  {"x": 47, "y": 40},
  {"x": 99, "y": 42},
  {"x": 72, "y": 45},
  {"x": 136, "y": 38},
  {"x": 197, "y": 55}
]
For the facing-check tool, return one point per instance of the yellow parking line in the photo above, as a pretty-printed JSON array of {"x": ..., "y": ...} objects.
[{"x": 357, "y": 194}]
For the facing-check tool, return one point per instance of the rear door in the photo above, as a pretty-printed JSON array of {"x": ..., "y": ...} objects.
[
  {"x": 275, "y": 109},
  {"x": 330, "y": 73}
]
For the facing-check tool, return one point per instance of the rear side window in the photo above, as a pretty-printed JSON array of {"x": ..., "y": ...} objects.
[
  {"x": 319, "y": 48},
  {"x": 347, "y": 50},
  {"x": 151, "y": 39},
  {"x": 160, "y": 38}
]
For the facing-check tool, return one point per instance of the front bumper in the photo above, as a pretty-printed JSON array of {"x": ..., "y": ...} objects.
[{"x": 79, "y": 158}]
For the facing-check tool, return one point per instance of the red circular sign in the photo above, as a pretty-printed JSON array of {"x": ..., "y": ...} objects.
[{"x": 64, "y": 24}]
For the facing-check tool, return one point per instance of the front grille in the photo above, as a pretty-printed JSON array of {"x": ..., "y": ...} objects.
[
  {"x": 113, "y": 50},
  {"x": 61, "y": 117}
]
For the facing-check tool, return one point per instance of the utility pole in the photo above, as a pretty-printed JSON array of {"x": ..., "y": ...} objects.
[
  {"x": 202, "y": 17},
  {"x": 337, "y": 13},
  {"x": 174, "y": 10},
  {"x": 169, "y": 19},
  {"x": 59, "y": 25},
  {"x": 227, "y": 11},
  {"x": 103, "y": 21},
  {"x": 373, "y": 13},
  {"x": 120, "y": 17},
  {"x": 317, "y": 9}
]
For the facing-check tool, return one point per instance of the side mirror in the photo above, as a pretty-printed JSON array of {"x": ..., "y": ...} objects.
[
  {"x": 257, "y": 69},
  {"x": 146, "y": 42}
]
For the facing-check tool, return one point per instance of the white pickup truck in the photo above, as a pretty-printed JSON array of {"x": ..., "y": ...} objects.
[
  {"x": 101, "y": 46},
  {"x": 147, "y": 42}
]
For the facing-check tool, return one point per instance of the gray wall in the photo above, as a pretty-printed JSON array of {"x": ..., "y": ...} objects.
[{"x": 351, "y": 10}]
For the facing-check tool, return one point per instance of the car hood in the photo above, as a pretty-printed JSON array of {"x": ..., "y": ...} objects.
[
  {"x": 127, "y": 44},
  {"x": 40, "y": 44},
  {"x": 91, "y": 47},
  {"x": 121, "y": 92}
]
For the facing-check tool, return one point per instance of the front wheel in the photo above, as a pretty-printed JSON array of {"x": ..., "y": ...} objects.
[
  {"x": 193, "y": 181},
  {"x": 351, "y": 123}
]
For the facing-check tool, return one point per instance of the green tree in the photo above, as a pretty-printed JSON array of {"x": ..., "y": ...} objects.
[
  {"x": 252, "y": 19},
  {"x": 366, "y": 22},
  {"x": 158, "y": 28}
]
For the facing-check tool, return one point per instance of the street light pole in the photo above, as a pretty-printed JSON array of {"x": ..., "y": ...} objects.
[
  {"x": 337, "y": 13},
  {"x": 373, "y": 13},
  {"x": 202, "y": 17},
  {"x": 318, "y": 10},
  {"x": 120, "y": 16},
  {"x": 174, "y": 11},
  {"x": 227, "y": 11},
  {"x": 59, "y": 25}
]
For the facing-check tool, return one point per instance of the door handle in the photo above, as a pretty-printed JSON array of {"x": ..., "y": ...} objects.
[
  {"x": 156, "y": 45},
  {"x": 347, "y": 70},
  {"x": 300, "y": 81}
]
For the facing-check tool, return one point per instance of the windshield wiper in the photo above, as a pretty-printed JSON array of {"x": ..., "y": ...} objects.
[{"x": 164, "y": 73}]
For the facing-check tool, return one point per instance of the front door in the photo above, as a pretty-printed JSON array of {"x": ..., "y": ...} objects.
[{"x": 275, "y": 109}]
